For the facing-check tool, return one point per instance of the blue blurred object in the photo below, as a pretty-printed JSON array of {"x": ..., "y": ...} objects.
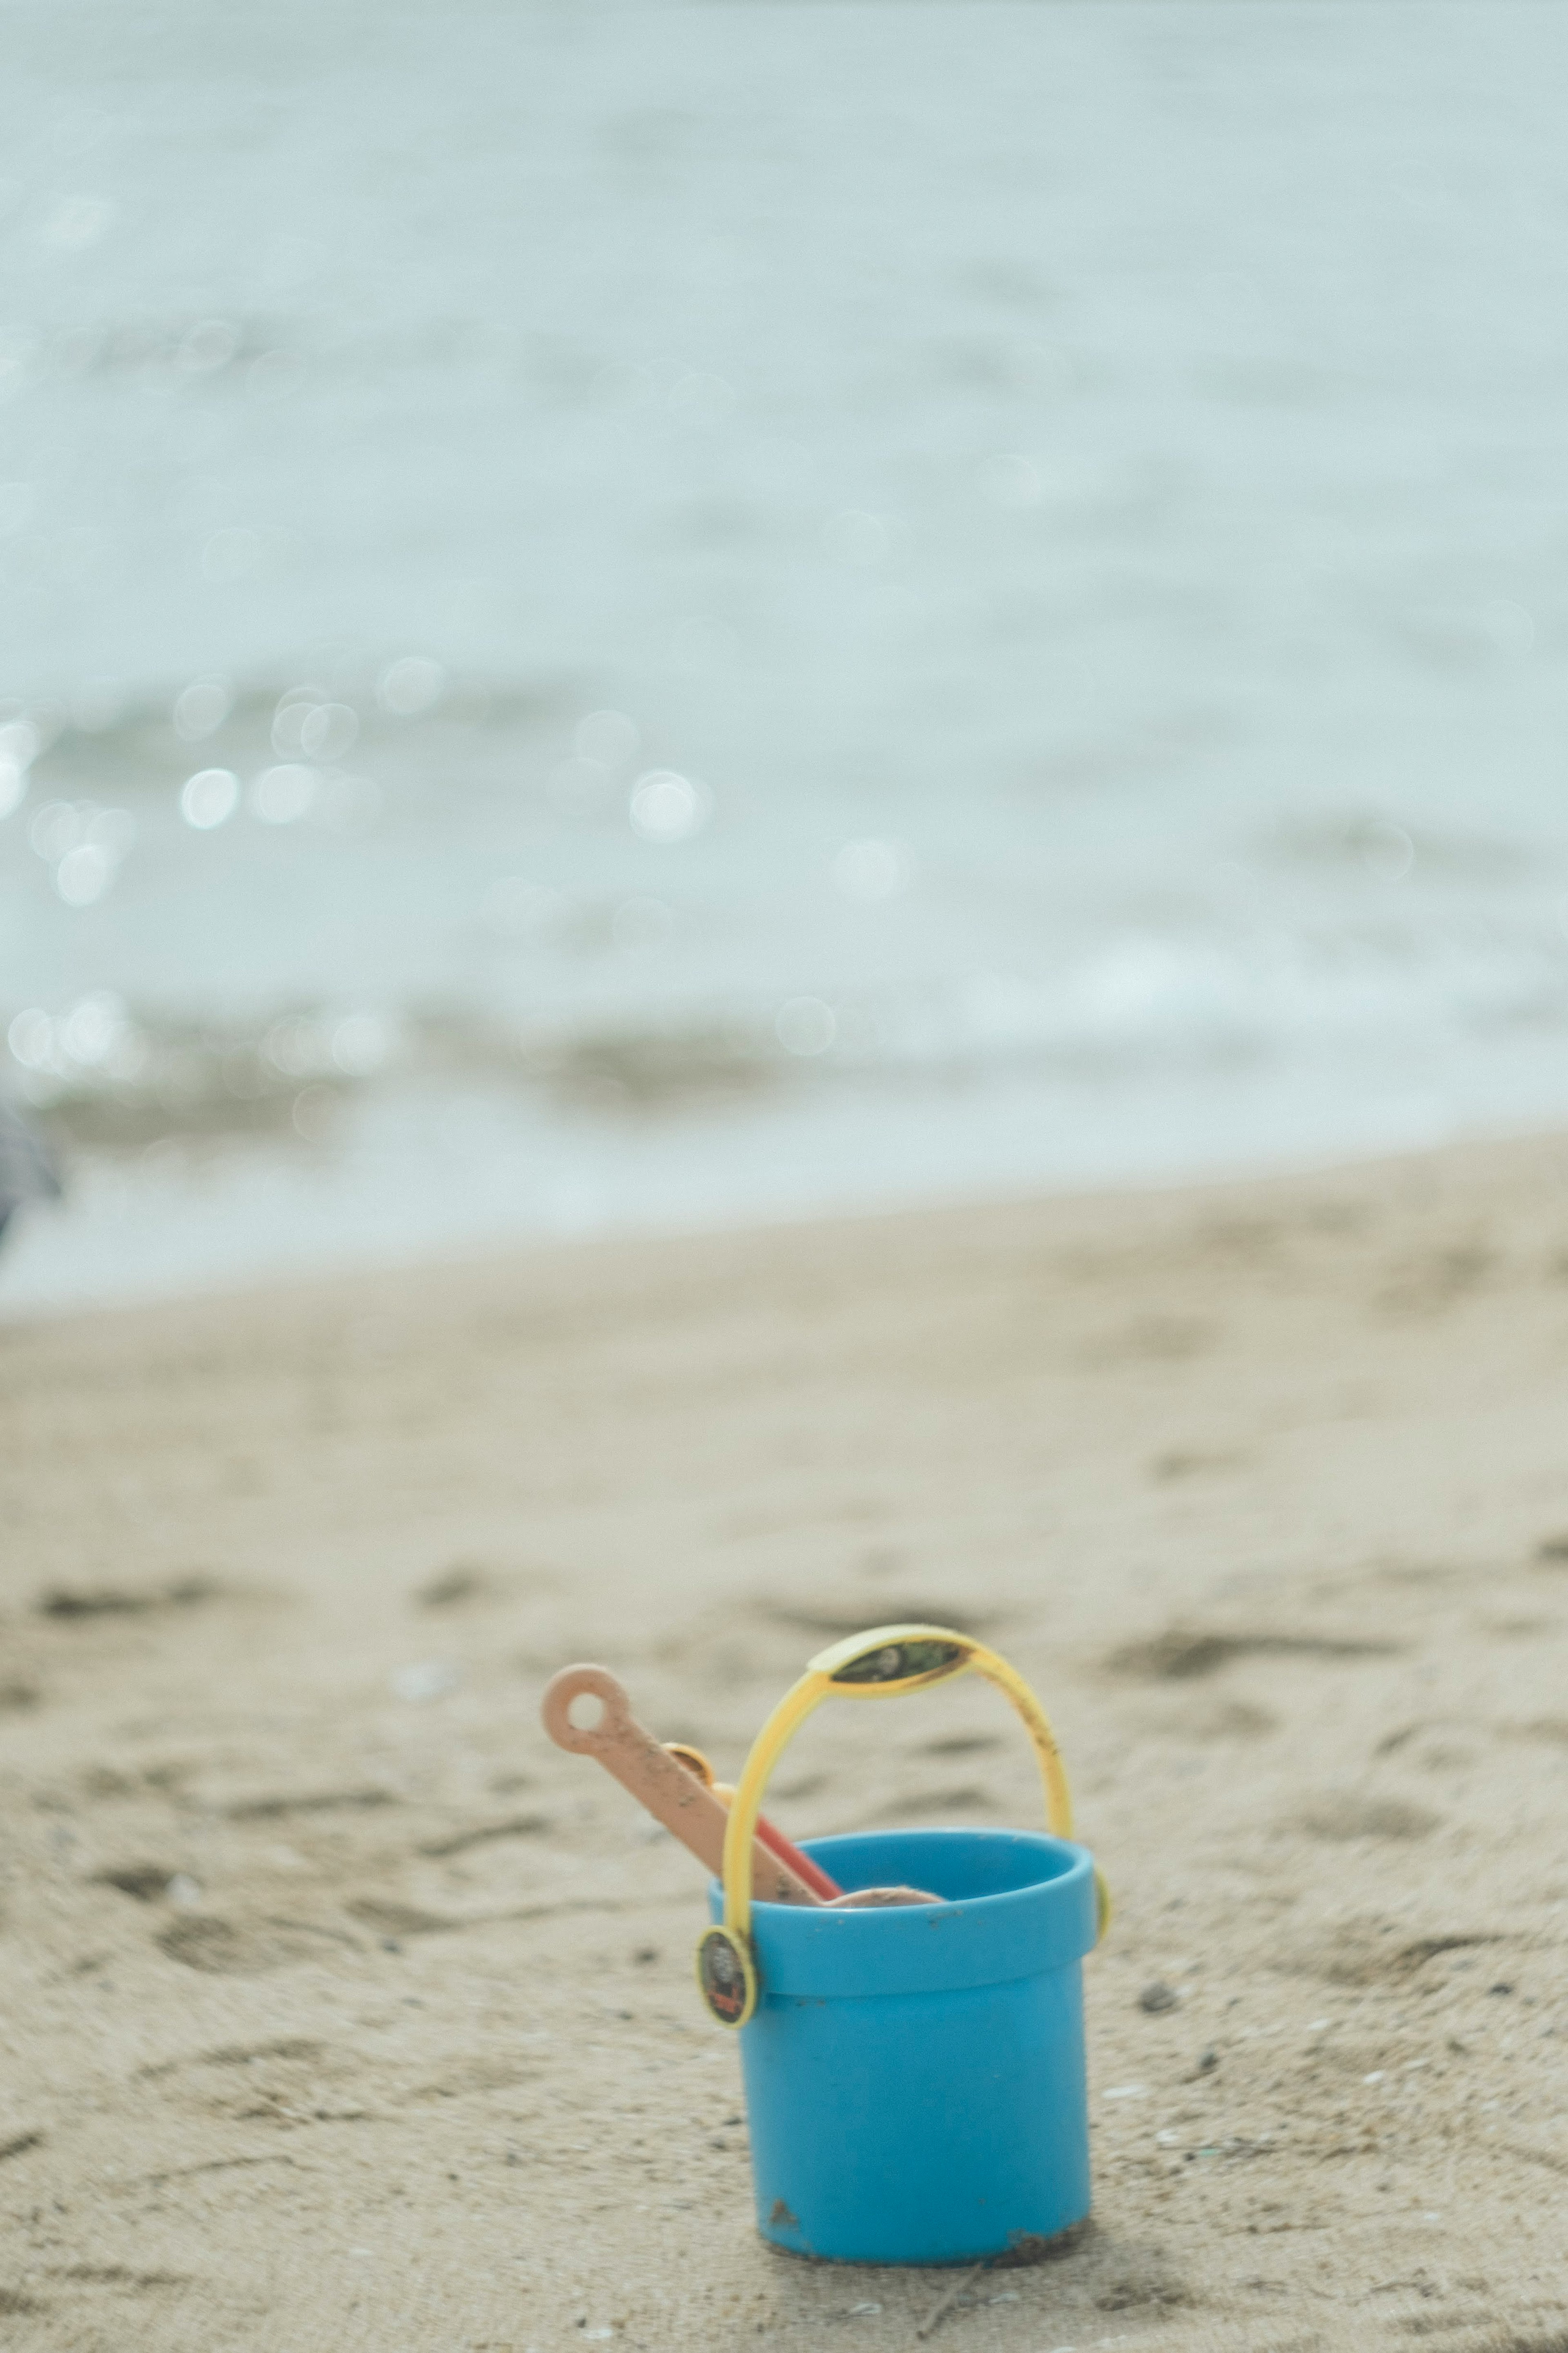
[
  {"x": 27, "y": 1172},
  {"x": 915, "y": 2076}
]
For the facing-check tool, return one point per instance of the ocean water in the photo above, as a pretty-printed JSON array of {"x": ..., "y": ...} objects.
[{"x": 652, "y": 614}]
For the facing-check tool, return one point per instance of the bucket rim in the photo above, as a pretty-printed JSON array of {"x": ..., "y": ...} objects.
[
  {"x": 1044, "y": 1924},
  {"x": 826, "y": 1850}
]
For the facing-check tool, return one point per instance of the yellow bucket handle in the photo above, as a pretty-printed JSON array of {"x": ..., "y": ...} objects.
[{"x": 883, "y": 1663}]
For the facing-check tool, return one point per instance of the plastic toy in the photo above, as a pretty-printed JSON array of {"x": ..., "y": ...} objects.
[
  {"x": 915, "y": 2078},
  {"x": 913, "y": 2062},
  {"x": 677, "y": 1785}
]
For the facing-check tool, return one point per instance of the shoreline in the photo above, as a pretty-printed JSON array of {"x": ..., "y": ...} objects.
[
  {"x": 481, "y": 1249},
  {"x": 342, "y": 2008}
]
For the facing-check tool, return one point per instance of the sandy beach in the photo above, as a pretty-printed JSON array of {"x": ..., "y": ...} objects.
[{"x": 342, "y": 2010}]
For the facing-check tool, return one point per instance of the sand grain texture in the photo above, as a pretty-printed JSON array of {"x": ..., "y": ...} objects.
[{"x": 342, "y": 2010}]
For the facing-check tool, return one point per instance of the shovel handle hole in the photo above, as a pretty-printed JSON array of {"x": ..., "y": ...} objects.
[{"x": 585, "y": 1711}]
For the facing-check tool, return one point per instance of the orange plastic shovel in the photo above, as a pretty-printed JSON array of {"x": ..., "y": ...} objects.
[
  {"x": 673, "y": 1793},
  {"x": 676, "y": 1785}
]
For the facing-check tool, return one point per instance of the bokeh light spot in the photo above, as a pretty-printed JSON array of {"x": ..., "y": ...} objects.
[
  {"x": 298, "y": 1047},
  {"x": 283, "y": 795},
  {"x": 201, "y": 707},
  {"x": 806, "y": 1026},
  {"x": 1387, "y": 851},
  {"x": 289, "y": 720},
  {"x": 55, "y": 828},
  {"x": 313, "y": 1113},
  {"x": 210, "y": 343},
  {"x": 31, "y": 1039},
  {"x": 85, "y": 845},
  {"x": 93, "y": 1027},
  {"x": 84, "y": 874},
  {"x": 327, "y": 731},
  {"x": 209, "y": 799},
  {"x": 607, "y": 736},
  {"x": 362, "y": 1043},
  {"x": 411, "y": 684},
  {"x": 668, "y": 808},
  {"x": 19, "y": 743}
]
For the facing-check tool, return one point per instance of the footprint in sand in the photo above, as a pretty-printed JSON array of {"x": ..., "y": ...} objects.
[
  {"x": 1186, "y": 1654},
  {"x": 236, "y": 2054},
  {"x": 1350, "y": 1817},
  {"x": 1378, "y": 1952},
  {"x": 488, "y": 1834},
  {"x": 71, "y": 1602},
  {"x": 1216, "y": 1719},
  {"x": 1151, "y": 1339},
  {"x": 147, "y": 1882},
  {"x": 967, "y": 1797},
  {"x": 278, "y": 1807},
  {"x": 220, "y": 1949}
]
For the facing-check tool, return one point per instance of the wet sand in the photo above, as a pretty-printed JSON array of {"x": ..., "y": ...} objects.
[{"x": 342, "y": 2010}]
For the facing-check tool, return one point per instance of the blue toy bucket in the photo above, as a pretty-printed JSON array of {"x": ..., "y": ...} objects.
[
  {"x": 914, "y": 2070},
  {"x": 915, "y": 2075}
]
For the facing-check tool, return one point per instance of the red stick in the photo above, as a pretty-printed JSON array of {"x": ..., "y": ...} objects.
[{"x": 813, "y": 1873}]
